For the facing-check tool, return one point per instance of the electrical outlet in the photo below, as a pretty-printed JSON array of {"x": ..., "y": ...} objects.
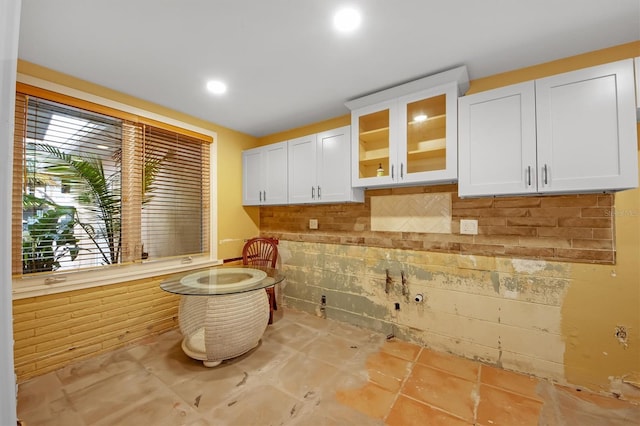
[
  {"x": 313, "y": 223},
  {"x": 469, "y": 226}
]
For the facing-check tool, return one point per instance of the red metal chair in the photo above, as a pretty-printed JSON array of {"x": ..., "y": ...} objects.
[{"x": 262, "y": 251}]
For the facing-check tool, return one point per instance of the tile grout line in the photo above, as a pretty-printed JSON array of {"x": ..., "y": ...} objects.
[
  {"x": 404, "y": 380},
  {"x": 414, "y": 363},
  {"x": 512, "y": 392},
  {"x": 475, "y": 395},
  {"x": 436, "y": 408},
  {"x": 421, "y": 402}
]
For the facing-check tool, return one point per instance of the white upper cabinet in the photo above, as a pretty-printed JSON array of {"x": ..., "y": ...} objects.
[
  {"x": 407, "y": 135},
  {"x": 264, "y": 175},
  {"x": 320, "y": 168},
  {"x": 302, "y": 163},
  {"x": 586, "y": 126},
  {"x": 568, "y": 133},
  {"x": 497, "y": 134}
]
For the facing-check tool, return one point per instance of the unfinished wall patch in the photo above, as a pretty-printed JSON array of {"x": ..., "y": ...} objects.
[
  {"x": 528, "y": 266},
  {"x": 464, "y": 310},
  {"x": 622, "y": 335},
  {"x": 425, "y": 213}
]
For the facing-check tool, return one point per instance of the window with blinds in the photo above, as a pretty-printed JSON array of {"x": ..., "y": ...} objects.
[
  {"x": 92, "y": 189},
  {"x": 175, "y": 204}
]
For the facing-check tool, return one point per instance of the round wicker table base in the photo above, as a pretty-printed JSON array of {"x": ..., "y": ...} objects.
[{"x": 225, "y": 326}]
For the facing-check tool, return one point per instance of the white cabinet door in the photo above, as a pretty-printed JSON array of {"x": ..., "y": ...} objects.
[
  {"x": 252, "y": 177},
  {"x": 264, "y": 175},
  {"x": 407, "y": 134},
  {"x": 411, "y": 139},
  {"x": 275, "y": 174},
  {"x": 586, "y": 129},
  {"x": 302, "y": 170},
  {"x": 497, "y": 134},
  {"x": 334, "y": 167},
  {"x": 427, "y": 142},
  {"x": 372, "y": 145},
  {"x": 320, "y": 168},
  {"x": 568, "y": 133}
]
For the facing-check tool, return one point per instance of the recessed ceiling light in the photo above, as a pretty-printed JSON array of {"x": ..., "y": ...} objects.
[
  {"x": 102, "y": 147},
  {"x": 216, "y": 87},
  {"x": 346, "y": 19},
  {"x": 420, "y": 117}
]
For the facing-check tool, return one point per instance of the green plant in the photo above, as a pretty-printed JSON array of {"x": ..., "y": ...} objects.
[
  {"x": 49, "y": 236},
  {"x": 100, "y": 193}
]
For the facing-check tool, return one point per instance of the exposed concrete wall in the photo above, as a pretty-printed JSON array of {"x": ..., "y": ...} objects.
[{"x": 505, "y": 312}]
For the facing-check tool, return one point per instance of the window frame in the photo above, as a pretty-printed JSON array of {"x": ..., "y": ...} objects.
[{"x": 24, "y": 286}]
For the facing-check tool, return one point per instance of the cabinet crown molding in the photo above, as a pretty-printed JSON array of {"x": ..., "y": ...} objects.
[{"x": 458, "y": 75}]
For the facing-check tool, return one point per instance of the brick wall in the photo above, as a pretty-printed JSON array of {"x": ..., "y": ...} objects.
[
  {"x": 572, "y": 228},
  {"x": 54, "y": 330}
]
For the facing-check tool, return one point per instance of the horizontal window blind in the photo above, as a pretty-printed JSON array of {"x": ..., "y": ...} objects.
[
  {"x": 92, "y": 190},
  {"x": 71, "y": 187},
  {"x": 175, "y": 205}
]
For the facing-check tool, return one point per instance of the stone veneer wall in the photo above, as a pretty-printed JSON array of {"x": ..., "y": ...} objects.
[
  {"x": 53, "y": 330},
  {"x": 573, "y": 228},
  {"x": 504, "y": 312}
]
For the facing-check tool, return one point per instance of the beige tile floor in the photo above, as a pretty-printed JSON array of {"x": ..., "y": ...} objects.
[{"x": 306, "y": 371}]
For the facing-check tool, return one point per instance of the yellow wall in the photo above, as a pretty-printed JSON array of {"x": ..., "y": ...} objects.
[
  {"x": 234, "y": 222},
  {"x": 321, "y": 126},
  {"x": 597, "y": 57}
]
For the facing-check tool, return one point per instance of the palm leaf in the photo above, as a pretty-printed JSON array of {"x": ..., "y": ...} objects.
[
  {"x": 153, "y": 162},
  {"x": 49, "y": 237},
  {"x": 99, "y": 196}
]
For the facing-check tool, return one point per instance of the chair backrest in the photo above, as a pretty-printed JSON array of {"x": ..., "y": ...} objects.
[{"x": 260, "y": 251}]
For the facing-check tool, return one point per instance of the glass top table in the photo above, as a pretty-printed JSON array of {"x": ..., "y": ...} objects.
[
  {"x": 234, "y": 316},
  {"x": 219, "y": 280}
]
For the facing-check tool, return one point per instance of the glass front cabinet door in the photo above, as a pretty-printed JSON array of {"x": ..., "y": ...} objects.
[
  {"x": 375, "y": 157},
  {"x": 408, "y": 140}
]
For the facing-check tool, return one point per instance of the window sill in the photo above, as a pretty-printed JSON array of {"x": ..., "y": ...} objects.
[{"x": 24, "y": 287}]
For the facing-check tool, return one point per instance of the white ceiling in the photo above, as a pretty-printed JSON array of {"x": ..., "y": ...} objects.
[{"x": 283, "y": 62}]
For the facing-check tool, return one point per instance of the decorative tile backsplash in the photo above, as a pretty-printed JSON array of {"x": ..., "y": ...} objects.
[{"x": 426, "y": 213}]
